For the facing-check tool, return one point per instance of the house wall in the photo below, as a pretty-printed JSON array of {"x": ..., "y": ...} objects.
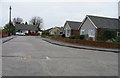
[
  {"x": 55, "y": 31},
  {"x": 87, "y": 26},
  {"x": 75, "y": 33},
  {"x": 67, "y": 30}
]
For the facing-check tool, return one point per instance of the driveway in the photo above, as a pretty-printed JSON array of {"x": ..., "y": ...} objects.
[{"x": 31, "y": 56}]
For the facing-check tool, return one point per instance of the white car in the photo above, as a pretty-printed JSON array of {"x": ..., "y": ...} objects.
[{"x": 20, "y": 33}]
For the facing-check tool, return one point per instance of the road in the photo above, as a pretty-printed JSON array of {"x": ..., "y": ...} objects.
[{"x": 31, "y": 56}]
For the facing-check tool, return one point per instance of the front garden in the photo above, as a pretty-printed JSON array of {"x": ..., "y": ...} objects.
[{"x": 81, "y": 41}]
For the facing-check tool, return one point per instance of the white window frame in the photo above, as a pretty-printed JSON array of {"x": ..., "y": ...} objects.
[
  {"x": 82, "y": 32},
  {"x": 68, "y": 33},
  {"x": 91, "y": 33},
  {"x": 118, "y": 34}
]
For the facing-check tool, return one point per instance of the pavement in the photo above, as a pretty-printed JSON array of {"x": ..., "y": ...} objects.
[
  {"x": 5, "y": 39},
  {"x": 79, "y": 46},
  {"x": 32, "y": 56}
]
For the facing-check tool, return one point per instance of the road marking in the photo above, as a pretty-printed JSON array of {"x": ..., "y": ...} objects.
[
  {"x": 26, "y": 57},
  {"x": 47, "y": 58}
]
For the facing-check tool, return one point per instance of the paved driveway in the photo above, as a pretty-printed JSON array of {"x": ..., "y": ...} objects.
[{"x": 31, "y": 56}]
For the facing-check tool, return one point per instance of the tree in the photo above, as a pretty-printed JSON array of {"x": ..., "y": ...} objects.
[
  {"x": 17, "y": 20},
  {"x": 9, "y": 28},
  {"x": 36, "y": 21}
]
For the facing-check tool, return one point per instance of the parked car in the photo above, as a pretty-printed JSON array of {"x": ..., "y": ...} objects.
[{"x": 20, "y": 33}]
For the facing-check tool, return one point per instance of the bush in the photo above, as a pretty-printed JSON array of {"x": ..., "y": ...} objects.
[
  {"x": 72, "y": 37},
  {"x": 9, "y": 28},
  {"x": 116, "y": 40},
  {"x": 81, "y": 37},
  {"x": 45, "y": 33},
  {"x": 106, "y": 34},
  {"x": 63, "y": 35}
]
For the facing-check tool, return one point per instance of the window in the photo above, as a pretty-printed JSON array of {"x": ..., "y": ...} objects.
[
  {"x": 82, "y": 32},
  {"x": 91, "y": 33},
  {"x": 118, "y": 34},
  {"x": 68, "y": 33}
]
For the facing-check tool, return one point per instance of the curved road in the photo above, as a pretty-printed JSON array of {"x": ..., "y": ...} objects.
[{"x": 31, "y": 56}]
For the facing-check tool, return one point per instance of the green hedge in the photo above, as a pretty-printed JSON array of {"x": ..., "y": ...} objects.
[{"x": 81, "y": 37}]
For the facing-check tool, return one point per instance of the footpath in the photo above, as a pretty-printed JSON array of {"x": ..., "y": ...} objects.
[{"x": 5, "y": 39}]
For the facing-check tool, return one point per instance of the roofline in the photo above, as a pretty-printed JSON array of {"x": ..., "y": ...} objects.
[
  {"x": 82, "y": 22},
  {"x": 73, "y": 21},
  {"x": 92, "y": 22},
  {"x": 88, "y": 19},
  {"x": 102, "y": 17},
  {"x": 68, "y": 25},
  {"x": 66, "y": 22}
]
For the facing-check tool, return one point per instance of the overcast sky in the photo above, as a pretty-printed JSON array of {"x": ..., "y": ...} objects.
[{"x": 56, "y": 13}]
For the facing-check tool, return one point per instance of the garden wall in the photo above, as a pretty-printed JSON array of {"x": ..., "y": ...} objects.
[
  {"x": 3, "y": 35},
  {"x": 88, "y": 43}
]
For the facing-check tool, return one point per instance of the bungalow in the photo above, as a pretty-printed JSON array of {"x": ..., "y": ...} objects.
[
  {"x": 93, "y": 25},
  {"x": 71, "y": 28},
  {"x": 56, "y": 31},
  {"x": 23, "y": 28}
]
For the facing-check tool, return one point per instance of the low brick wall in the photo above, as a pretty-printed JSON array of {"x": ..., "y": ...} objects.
[
  {"x": 88, "y": 43},
  {"x": 3, "y": 35},
  {"x": 32, "y": 34}
]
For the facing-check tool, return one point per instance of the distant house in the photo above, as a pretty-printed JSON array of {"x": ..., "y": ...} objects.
[
  {"x": 28, "y": 29},
  {"x": 93, "y": 25},
  {"x": 71, "y": 28},
  {"x": 56, "y": 31}
]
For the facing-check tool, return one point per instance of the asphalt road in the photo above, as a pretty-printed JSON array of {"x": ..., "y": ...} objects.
[{"x": 31, "y": 56}]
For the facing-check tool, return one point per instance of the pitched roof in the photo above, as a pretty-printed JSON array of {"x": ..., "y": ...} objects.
[
  {"x": 26, "y": 27},
  {"x": 60, "y": 28},
  {"x": 52, "y": 29},
  {"x": 48, "y": 29},
  {"x": 73, "y": 24},
  {"x": 104, "y": 22}
]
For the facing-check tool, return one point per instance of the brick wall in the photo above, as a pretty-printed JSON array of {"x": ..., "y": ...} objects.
[
  {"x": 88, "y": 43},
  {"x": 3, "y": 35},
  {"x": 75, "y": 33}
]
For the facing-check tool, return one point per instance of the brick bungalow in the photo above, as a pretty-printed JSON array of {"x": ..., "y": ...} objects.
[
  {"x": 23, "y": 28},
  {"x": 92, "y": 26},
  {"x": 71, "y": 28}
]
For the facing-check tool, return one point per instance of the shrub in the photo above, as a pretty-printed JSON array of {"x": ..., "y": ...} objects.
[
  {"x": 63, "y": 35},
  {"x": 72, "y": 37},
  {"x": 116, "y": 40},
  {"x": 81, "y": 37},
  {"x": 106, "y": 34},
  {"x": 45, "y": 33}
]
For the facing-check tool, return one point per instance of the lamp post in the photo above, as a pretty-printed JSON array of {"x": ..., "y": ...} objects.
[
  {"x": 10, "y": 15},
  {"x": 9, "y": 21}
]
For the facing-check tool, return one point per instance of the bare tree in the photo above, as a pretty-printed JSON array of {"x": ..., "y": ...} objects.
[
  {"x": 36, "y": 21},
  {"x": 17, "y": 20}
]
